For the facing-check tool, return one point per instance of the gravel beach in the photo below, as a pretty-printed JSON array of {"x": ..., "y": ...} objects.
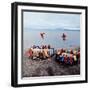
[{"x": 37, "y": 68}]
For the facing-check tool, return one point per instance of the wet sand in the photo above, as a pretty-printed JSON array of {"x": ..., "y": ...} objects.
[{"x": 37, "y": 68}]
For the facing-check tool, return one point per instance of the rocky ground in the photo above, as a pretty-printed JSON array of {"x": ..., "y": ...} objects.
[{"x": 36, "y": 68}]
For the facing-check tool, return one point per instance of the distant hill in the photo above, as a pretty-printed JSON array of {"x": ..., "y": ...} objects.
[{"x": 62, "y": 29}]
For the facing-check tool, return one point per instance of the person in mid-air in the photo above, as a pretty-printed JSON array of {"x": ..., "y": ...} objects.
[
  {"x": 64, "y": 36},
  {"x": 42, "y": 35}
]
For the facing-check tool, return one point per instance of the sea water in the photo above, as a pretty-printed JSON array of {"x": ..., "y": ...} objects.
[{"x": 52, "y": 37}]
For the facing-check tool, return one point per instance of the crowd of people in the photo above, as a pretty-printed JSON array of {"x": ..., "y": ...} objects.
[
  {"x": 61, "y": 55},
  {"x": 68, "y": 56},
  {"x": 41, "y": 52}
]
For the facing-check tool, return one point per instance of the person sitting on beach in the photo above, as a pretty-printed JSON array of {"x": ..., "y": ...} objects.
[
  {"x": 36, "y": 51},
  {"x": 60, "y": 55},
  {"x": 71, "y": 59},
  {"x": 29, "y": 53},
  {"x": 61, "y": 50},
  {"x": 58, "y": 52},
  {"x": 66, "y": 59},
  {"x": 75, "y": 59},
  {"x": 71, "y": 52},
  {"x": 62, "y": 59},
  {"x": 45, "y": 52},
  {"x": 78, "y": 56},
  {"x": 49, "y": 46}
]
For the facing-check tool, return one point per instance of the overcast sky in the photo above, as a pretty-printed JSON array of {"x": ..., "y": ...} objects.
[{"x": 41, "y": 20}]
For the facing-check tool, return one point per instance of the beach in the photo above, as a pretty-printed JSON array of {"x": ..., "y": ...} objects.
[{"x": 37, "y": 68}]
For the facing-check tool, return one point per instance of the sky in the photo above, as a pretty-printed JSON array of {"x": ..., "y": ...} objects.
[{"x": 42, "y": 20}]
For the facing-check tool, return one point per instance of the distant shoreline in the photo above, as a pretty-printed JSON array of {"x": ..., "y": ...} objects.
[{"x": 60, "y": 29}]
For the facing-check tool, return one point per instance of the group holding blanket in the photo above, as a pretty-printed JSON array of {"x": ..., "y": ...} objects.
[
  {"x": 36, "y": 52},
  {"x": 68, "y": 56}
]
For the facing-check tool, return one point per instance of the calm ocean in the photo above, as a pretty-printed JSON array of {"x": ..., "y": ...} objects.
[{"x": 52, "y": 37}]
